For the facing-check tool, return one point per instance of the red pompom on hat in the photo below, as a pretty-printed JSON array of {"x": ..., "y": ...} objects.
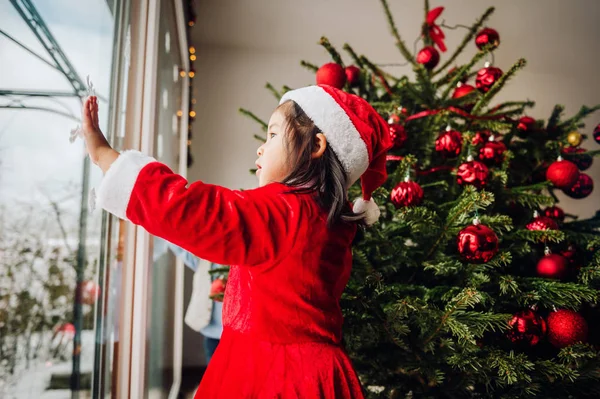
[{"x": 358, "y": 136}]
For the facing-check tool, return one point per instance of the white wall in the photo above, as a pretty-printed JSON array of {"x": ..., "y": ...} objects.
[{"x": 243, "y": 44}]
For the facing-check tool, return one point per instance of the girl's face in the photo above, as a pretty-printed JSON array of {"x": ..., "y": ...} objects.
[{"x": 272, "y": 162}]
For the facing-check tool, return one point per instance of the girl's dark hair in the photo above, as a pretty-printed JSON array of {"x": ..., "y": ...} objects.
[{"x": 324, "y": 175}]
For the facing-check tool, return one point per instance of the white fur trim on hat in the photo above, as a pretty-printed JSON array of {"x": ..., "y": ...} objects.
[
  {"x": 370, "y": 209},
  {"x": 337, "y": 127},
  {"x": 116, "y": 186}
]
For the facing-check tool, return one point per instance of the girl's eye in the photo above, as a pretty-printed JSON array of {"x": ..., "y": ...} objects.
[{"x": 271, "y": 135}]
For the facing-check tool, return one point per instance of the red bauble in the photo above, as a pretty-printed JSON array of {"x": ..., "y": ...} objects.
[
  {"x": 407, "y": 193},
  {"x": 487, "y": 36},
  {"x": 486, "y": 77},
  {"x": 492, "y": 153},
  {"x": 552, "y": 266},
  {"x": 583, "y": 162},
  {"x": 596, "y": 134},
  {"x": 429, "y": 57},
  {"x": 481, "y": 137},
  {"x": 554, "y": 212},
  {"x": 566, "y": 327},
  {"x": 89, "y": 292},
  {"x": 572, "y": 256},
  {"x": 217, "y": 289},
  {"x": 582, "y": 187},
  {"x": 542, "y": 223},
  {"x": 449, "y": 143},
  {"x": 477, "y": 243},
  {"x": 526, "y": 125},
  {"x": 462, "y": 91},
  {"x": 473, "y": 172},
  {"x": 353, "y": 75},
  {"x": 563, "y": 174},
  {"x": 526, "y": 327},
  {"x": 398, "y": 135},
  {"x": 331, "y": 74}
]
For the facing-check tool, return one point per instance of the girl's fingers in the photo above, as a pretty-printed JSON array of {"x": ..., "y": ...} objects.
[{"x": 95, "y": 112}]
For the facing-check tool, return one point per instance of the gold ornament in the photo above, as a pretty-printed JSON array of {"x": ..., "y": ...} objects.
[{"x": 574, "y": 138}]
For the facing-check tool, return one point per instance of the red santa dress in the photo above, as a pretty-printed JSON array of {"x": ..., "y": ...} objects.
[{"x": 281, "y": 315}]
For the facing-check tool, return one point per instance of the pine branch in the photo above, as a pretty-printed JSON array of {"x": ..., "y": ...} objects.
[
  {"x": 337, "y": 58},
  {"x": 549, "y": 293},
  {"x": 260, "y": 138},
  {"x": 309, "y": 66},
  {"x": 249, "y": 114},
  {"x": 272, "y": 89},
  {"x": 555, "y": 116},
  {"x": 399, "y": 43},
  {"x": 485, "y": 99},
  {"x": 461, "y": 72},
  {"x": 539, "y": 236},
  {"x": 468, "y": 297},
  {"x": 470, "y": 35},
  {"x": 571, "y": 123},
  {"x": 353, "y": 55}
]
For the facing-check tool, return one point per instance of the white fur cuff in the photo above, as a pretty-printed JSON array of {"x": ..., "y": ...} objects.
[
  {"x": 116, "y": 186},
  {"x": 370, "y": 209}
]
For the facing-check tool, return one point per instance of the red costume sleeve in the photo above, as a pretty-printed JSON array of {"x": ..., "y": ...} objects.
[{"x": 224, "y": 226}]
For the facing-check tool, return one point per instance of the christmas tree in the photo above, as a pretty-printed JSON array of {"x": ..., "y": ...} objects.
[{"x": 474, "y": 283}]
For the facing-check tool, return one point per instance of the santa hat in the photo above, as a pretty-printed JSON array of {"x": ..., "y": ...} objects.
[{"x": 357, "y": 134}]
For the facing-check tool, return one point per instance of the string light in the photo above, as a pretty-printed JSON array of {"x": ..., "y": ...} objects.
[
  {"x": 180, "y": 113},
  {"x": 182, "y": 73},
  {"x": 192, "y": 50},
  {"x": 192, "y": 57},
  {"x": 193, "y": 114},
  {"x": 192, "y": 74},
  {"x": 193, "y": 101}
]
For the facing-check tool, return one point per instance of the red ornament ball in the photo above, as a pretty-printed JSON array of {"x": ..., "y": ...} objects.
[
  {"x": 477, "y": 243},
  {"x": 462, "y": 91},
  {"x": 398, "y": 135},
  {"x": 492, "y": 153},
  {"x": 542, "y": 223},
  {"x": 563, "y": 174},
  {"x": 429, "y": 57},
  {"x": 526, "y": 125},
  {"x": 473, "y": 172},
  {"x": 582, "y": 187},
  {"x": 487, "y": 36},
  {"x": 583, "y": 162},
  {"x": 217, "y": 290},
  {"x": 572, "y": 256},
  {"x": 486, "y": 77},
  {"x": 89, "y": 292},
  {"x": 353, "y": 75},
  {"x": 596, "y": 134},
  {"x": 553, "y": 266},
  {"x": 566, "y": 327},
  {"x": 407, "y": 193},
  {"x": 554, "y": 212},
  {"x": 481, "y": 137},
  {"x": 526, "y": 327},
  {"x": 449, "y": 143},
  {"x": 331, "y": 74}
]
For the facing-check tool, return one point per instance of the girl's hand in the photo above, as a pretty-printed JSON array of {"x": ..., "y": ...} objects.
[{"x": 101, "y": 153}]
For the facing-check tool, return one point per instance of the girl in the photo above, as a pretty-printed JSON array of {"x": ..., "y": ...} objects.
[{"x": 290, "y": 239}]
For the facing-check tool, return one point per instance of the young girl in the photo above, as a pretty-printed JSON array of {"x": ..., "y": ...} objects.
[{"x": 290, "y": 239}]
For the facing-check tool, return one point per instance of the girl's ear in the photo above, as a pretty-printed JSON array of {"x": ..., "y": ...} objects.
[{"x": 320, "y": 146}]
